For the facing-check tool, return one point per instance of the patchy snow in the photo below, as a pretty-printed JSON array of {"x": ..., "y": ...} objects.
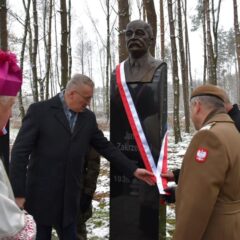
[{"x": 98, "y": 225}]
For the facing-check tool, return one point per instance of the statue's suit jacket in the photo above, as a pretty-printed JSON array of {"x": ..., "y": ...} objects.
[{"x": 47, "y": 160}]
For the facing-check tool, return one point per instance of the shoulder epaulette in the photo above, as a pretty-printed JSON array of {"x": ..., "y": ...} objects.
[{"x": 208, "y": 126}]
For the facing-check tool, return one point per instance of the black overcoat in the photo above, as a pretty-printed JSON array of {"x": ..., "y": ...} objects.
[{"x": 47, "y": 160}]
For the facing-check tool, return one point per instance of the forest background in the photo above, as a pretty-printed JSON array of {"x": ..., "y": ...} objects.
[{"x": 200, "y": 41}]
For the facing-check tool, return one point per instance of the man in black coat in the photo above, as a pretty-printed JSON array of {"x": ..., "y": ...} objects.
[
  {"x": 48, "y": 158},
  {"x": 233, "y": 111}
]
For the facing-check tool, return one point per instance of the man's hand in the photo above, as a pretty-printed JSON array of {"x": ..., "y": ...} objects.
[
  {"x": 170, "y": 196},
  {"x": 146, "y": 176},
  {"x": 168, "y": 175},
  {"x": 20, "y": 202}
]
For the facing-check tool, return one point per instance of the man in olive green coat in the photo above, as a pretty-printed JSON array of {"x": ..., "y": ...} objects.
[
  {"x": 89, "y": 182},
  {"x": 208, "y": 193}
]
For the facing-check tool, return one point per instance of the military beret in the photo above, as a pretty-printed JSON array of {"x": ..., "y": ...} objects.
[
  {"x": 10, "y": 74},
  {"x": 209, "y": 90}
]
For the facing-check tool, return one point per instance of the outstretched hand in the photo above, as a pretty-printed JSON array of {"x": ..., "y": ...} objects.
[
  {"x": 170, "y": 196},
  {"x": 168, "y": 175},
  {"x": 145, "y": 175}
]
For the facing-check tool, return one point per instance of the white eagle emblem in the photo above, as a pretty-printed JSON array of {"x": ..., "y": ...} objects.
[{"x": 201, "y": 155}]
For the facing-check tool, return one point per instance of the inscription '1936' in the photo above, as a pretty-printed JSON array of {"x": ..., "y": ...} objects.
[{"x": 121, "y": 179}]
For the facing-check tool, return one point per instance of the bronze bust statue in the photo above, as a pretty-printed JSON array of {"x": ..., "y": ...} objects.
[{"x": 140, "y": 65}]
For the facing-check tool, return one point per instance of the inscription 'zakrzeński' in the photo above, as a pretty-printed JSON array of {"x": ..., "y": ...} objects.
[{"x": 127, "y": 147}]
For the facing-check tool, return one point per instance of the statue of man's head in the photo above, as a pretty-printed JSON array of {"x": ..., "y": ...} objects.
[{"x": 139, "y": 37}]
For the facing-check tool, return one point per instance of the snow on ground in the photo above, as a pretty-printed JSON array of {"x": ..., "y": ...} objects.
[{"x": 98, "y": 225}]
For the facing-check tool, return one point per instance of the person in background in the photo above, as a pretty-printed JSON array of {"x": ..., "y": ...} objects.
[
  {"x": 233, "y": 111},
  {"x": 208, "y": 194},
  {"x": 90, "y": 175},
  {"x": 47, "y": 158},
  {"x": 14, "y": 222}
]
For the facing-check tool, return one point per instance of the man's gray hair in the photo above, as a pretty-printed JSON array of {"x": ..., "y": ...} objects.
[
  {"x": 210, "y": 102},
  {"x": 78, "y": 79}
]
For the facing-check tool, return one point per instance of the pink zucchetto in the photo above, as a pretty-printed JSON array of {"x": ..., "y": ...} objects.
[{"x": 10, "y": 74}]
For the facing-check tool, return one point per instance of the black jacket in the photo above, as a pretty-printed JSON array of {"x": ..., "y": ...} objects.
[
  {"x": 47, "y": 160},
  {"x": 234, "y": 113}
]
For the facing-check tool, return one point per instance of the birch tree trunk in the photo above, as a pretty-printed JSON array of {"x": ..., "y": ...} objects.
[
  {"x": 108, "y": 61},
  {"x": 210, "y": 54},
  {"x": 64, "y": 44},
  {"x": 49, "y": 49},
  {"x": 24, "y": 41},
  {"x": 3, "y": 25},
  {"x": 152, "y": 20},
  {"x": 183, "y": 68},
  {"x": 4, "y": 140},
  {"x": 69, "y": 40},
  {"x": 205, "y": 59},
  {"x": 175, "y": 76},
  {"x": 162, "y": 31},
  {"x": 187, "y": 53},
  {"x": 212, "y": 47},
  {"x": 34, "y": 53},
  {"x": 56, "y": 72},
  {"x": 123, "y": 20},
  {"x": 237, "y": 40}
]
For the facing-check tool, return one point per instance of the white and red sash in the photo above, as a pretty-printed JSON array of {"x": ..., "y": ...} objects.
[{"x": 139, "y": 135}]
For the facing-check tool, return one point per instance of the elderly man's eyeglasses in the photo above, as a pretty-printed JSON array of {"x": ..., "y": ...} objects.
[{"x": 87, "y": 99}]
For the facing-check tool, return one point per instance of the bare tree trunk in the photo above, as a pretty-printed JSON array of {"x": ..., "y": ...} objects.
[
  {"x": 215, "y": 35},
  {"x": 40, "y": 78},
  {"x": 162, "y": 30},
  {"x": 69, "y": 40},
  {"x": 144, "y": 13},
  {"x": 175, "y": 76},
  {"x": 64, "y": 44},
  {"x": 139, "y": 7},
  {"x": 34, "y": 52},
  {"x": 187, "y": 54},
  {"x": 108, "y": 61},
  {"x": 183, "y": 68},
  {"x": 89, "y": 65},
  {"x": 152, "y": 20},
  {"x": 57, "y": 55},
  {"x": 237, "y": 40},
  {"x": 27, "y": 18},
  {"x": 42, "y": 82},
  {"x": 162, "y": 208},
  {"x": 49, "y": 48},
  {"x": 4, "y": 140},
  {"x": 3, "y": 25},
  {"x": 210, "y": 52},
  {"x": 123, "y": 20},
  {"x": 212, "y": 47},
  {"x": 204, "y": 46}
]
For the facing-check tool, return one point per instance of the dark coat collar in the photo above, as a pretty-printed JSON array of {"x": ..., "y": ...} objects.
[{"x": 57, "y": 108}]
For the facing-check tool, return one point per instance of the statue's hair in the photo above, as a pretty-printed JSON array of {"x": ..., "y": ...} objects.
[{"x": 146, "y": 26}]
